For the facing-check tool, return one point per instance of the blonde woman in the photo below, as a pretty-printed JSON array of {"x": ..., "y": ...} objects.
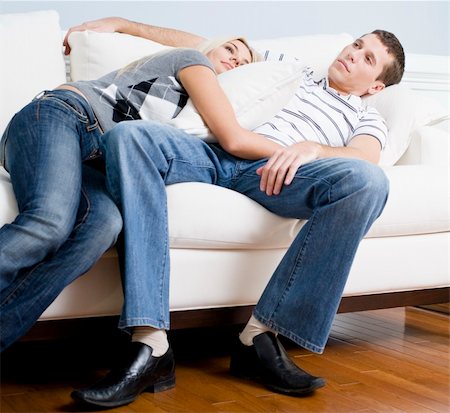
[{"x": 66, "y": 218}]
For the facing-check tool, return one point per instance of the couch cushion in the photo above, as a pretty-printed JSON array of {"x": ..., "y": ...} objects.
[
  {"x": 211, "y": 217},
  {"x": 32, "y": 59},
  {"x": 404, "y": 110},
  {"x": 8, "y": 204},
  {"x": 418, "y": 203},
  {"x": 217, "y": 218},
  {"x": 96, "y": 54}
]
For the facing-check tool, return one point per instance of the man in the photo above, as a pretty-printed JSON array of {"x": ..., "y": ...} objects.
[{"x": 323, "y": 171}]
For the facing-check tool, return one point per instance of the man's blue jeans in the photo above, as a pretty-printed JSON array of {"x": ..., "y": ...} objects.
[{"x": 340, "y": 198}]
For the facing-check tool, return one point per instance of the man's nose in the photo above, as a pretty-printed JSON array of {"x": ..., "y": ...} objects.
[{"x": 354, "y": 56}]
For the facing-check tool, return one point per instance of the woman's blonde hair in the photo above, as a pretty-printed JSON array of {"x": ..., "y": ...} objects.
[{"x": 210, "y": 44}]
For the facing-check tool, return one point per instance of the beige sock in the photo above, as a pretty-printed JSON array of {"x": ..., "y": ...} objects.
[
  {"x": 153, "y": 337},
  {"x": 252, "y": 329}
]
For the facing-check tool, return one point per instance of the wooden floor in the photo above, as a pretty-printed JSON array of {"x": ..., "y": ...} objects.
[{"x": 393, "y": 360}]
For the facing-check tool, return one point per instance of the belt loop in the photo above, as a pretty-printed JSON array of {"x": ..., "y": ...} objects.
[{"x": 40, "y": 94}]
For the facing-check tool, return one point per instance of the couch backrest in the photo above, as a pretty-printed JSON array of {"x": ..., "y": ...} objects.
[{"x": 31, "y": 59}]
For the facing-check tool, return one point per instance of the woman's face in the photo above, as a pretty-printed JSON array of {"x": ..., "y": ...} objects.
[{"x": 229, "y": 55}]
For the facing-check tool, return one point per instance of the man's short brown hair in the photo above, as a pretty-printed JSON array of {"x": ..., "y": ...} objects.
[{"x": 392, "y": 73}]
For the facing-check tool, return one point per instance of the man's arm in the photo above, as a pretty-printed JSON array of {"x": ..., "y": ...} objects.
[
  {"x": 280, "y": 169},
  {"x": 166, "y": 36}
]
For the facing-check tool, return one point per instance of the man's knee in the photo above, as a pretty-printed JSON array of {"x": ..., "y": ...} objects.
[
  {"x": 367, "y": 180},
  {"x": 372, "y": 177}
]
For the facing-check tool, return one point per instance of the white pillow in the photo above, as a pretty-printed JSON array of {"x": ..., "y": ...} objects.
[
  {"x": 404, "y": 111},
  {"x": 95, "y": 54},
  {"x": 256, "y": 92},
  {"x": 32, "y": 59},
  {"x": 317, "y": 51},
  {"x": 259, "y": 90}
]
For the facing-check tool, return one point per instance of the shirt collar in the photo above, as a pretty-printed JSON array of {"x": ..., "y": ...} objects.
[{"x": 352, "y": 99}]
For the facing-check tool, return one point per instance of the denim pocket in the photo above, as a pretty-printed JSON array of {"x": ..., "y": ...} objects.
[{"x": 70, "y": 102}]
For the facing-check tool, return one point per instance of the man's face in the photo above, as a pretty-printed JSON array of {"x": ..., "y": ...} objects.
[{"x": 357, "y": 67}]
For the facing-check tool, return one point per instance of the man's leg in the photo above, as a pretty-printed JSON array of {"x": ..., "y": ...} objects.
[
  {"x": 340, "y": 198},
  {"x": 141, "y": 159},
  {"x": 96, "y": 228}
]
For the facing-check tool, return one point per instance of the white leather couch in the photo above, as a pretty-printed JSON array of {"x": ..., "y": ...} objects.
[{"x": 219, "y": 267}]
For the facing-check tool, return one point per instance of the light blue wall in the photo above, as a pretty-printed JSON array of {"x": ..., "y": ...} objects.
[{"x": 422, "y": 26}]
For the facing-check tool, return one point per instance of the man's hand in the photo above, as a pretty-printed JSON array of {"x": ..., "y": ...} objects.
[
  {"x": 281, "y": 167},
  {"x": 106, "y": 25}
]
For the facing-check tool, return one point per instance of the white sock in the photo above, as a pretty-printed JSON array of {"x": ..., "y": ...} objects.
[
  {"x": 252, "y": 329},
  {"x": 153, "y": 337}
]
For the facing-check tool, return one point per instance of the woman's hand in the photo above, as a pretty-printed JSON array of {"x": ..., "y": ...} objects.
[
  {"x": 105, "y": 25},
  {"x": 282, "y": 166}
]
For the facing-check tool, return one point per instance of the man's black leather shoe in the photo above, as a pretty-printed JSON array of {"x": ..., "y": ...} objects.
[
  {"x": 138, "y": 372},
  {"x": 267, "y": 362}
]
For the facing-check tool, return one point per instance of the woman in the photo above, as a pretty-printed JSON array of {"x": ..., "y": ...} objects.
[{"x": 45, "y": 144}]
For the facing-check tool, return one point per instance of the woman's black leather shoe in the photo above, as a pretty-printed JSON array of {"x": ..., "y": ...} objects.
[
  {"x": 267, "y": 362},
  {"x": 138, "y": 372}
]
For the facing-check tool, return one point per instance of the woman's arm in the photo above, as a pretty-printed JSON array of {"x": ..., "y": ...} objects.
[
  {"x": 166, "y": 36},
  {"x": 213, "y": 105}
]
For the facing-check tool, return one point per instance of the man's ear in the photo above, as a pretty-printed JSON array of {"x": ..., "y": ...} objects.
[{"x": 376, "y": 87}]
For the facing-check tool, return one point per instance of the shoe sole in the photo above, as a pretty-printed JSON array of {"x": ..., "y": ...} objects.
[
  {"x": 161, "y": 386},
  {"x": 317, "y": 384},
  {"x": 297, "y": 392},
  {"x": 154, "y": 388}
]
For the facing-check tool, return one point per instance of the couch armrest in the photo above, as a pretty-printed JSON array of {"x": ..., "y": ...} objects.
[{"x": 430, "y": 145}]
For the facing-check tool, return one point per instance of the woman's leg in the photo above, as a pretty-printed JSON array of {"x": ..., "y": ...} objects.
[
  {"x": 45, "y": 144},
  {"x": 97, "y": 226}
]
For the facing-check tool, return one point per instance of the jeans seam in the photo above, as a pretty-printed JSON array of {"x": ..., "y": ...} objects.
[
  {"x": 298, "y": 260},
  {"x": 23, "y": 283},
  {"x": 161, "y": 280},
  {"x": 88, "y": 209}
]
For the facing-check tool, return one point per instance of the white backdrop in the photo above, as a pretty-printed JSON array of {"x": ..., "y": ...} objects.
[{"x": 422, "y": 26}]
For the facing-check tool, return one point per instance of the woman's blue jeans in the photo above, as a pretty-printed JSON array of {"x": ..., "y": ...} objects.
[
  {"x": 339, "y": 197},
  {"x": 97, "y": 226},
  {"x": 44, "y": 146},
  {"x": 66, "y": 218}
]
